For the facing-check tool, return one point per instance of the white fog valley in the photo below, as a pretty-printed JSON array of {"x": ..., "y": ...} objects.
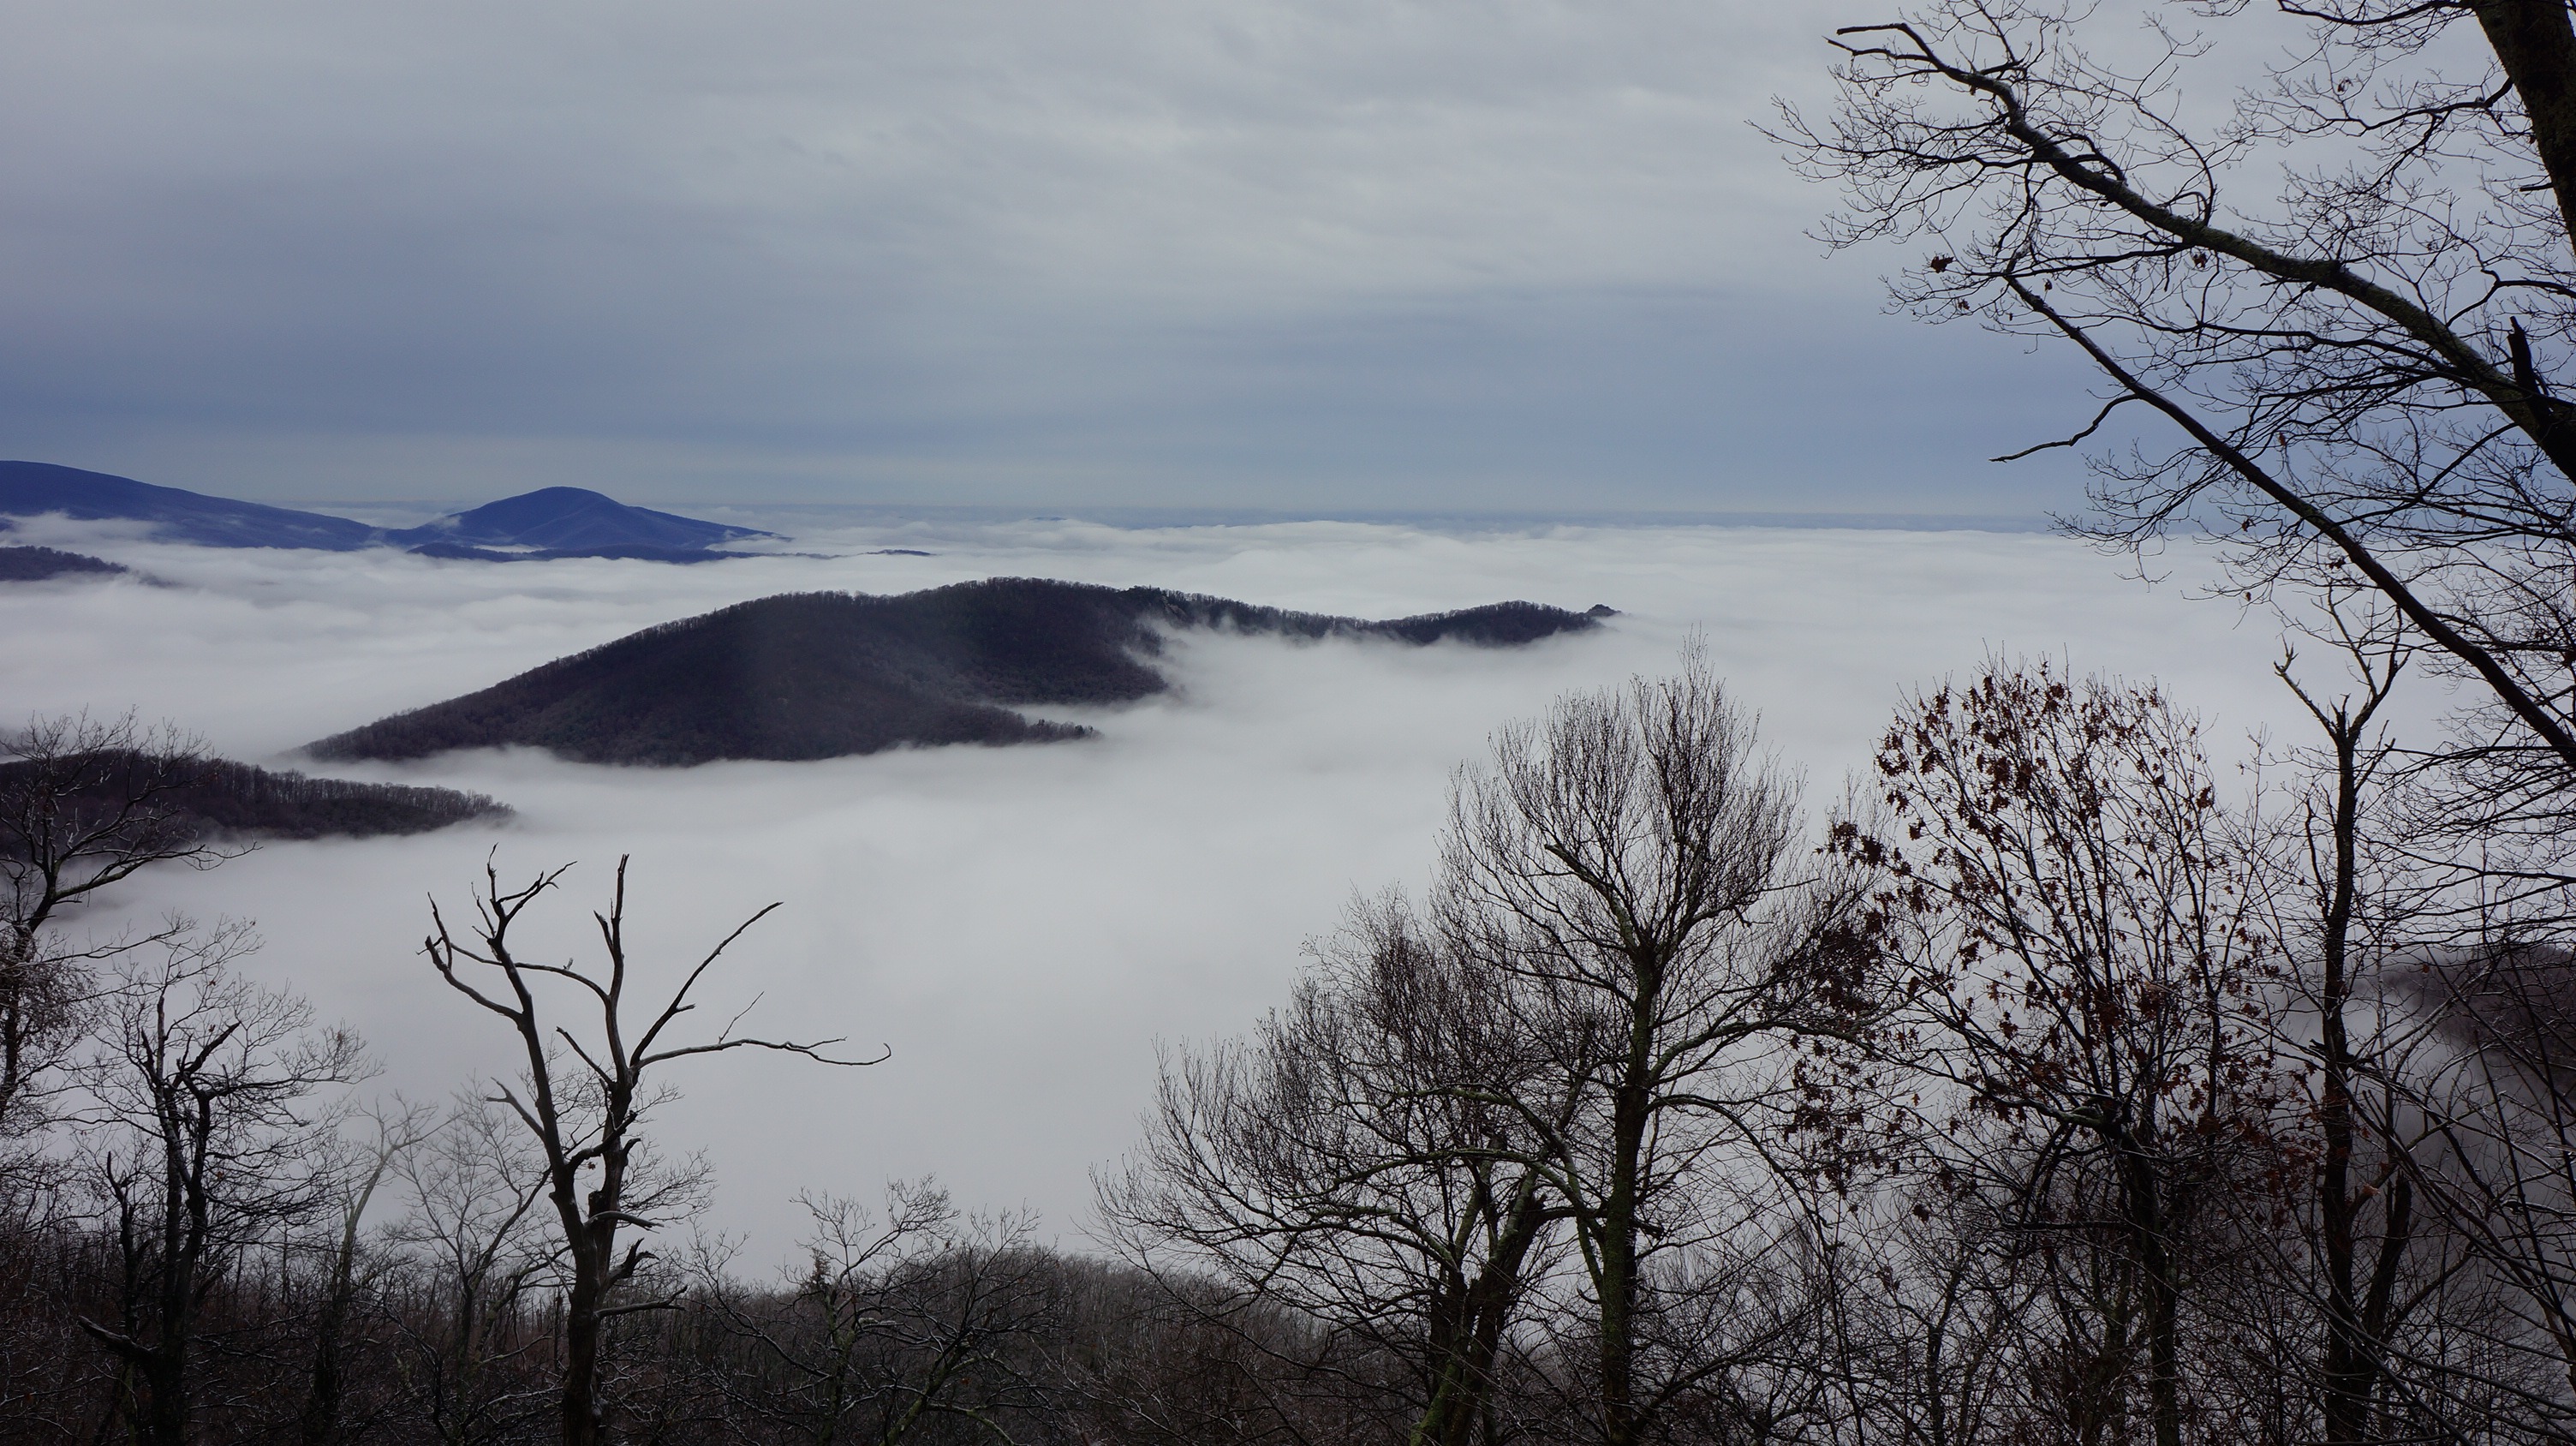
[{"x": 1020, "y": 927}]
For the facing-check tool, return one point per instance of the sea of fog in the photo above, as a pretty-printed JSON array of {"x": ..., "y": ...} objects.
[{"x": 1023, "y": 927}]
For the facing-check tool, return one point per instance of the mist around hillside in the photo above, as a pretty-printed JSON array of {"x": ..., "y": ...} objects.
[
  {"x": 813, "y": 675},
  {"x": 1019, "y": 926}
]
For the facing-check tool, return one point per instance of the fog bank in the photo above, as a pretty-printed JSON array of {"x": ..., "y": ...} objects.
[{"x": 1019, "y": 926}]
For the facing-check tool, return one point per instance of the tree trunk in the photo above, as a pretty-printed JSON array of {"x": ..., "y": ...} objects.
[
  {"x": 320, "y": 1424},
  {"x": 2533, "y": 40},
  {"x": 581, "y": 1415},
  {"x": 1618, "y": 1247},
  {"x": 2356, "y": 1328},
  {"x": 1451, "y": 1390},
  {"x": 184, "y": 1230},
  {"x": 2163, "y": 1291},
  {"x": 165, "y": 1414},
  {"x": 1462, "y": 1391},
  {"x": 2347, "y": 1372}
]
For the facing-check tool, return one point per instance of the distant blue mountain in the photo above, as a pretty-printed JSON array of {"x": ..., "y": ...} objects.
[
  {"x": 625, "y": 552},
  {"x": 28, "y": 489},
  {"x": 551, "y": 522},
  {"x": 568, "y": 520}
]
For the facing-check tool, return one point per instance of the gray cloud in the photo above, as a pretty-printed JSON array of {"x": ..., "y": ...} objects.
[
  {"x": 1020, "y": 925},
  {"x": 1313, "y": 256}
]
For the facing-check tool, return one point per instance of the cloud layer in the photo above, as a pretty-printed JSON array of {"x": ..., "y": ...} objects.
[
  {"x": 1020, "y": 926},
  {"x": 1310, "y": 256}
]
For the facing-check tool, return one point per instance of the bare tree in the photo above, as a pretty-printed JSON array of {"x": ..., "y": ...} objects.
[
  {"x": 591, "y": 1120},
  {"x": 203, "y": 1130},
  {"x": 350, "y": 1176},
  {"x": 1353, "y": 1160},
  {"x": 1637, "y": 872},
  {"x": 84, "y": 805},
  {"x": 471, "y": 1239},
  {"x": 2342, "y": 903},
  {"x": 2352, "y": 292}
]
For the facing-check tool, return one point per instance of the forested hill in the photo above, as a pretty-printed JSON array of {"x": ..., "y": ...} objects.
[
  {"x": 36, "y": 564},
  {"x": 821, "y": 675},
  {"x": 236, "y": 799}
]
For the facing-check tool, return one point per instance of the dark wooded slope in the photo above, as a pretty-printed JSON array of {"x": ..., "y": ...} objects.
[
  {"x": 34, "y": 564},
  {"x": 820, "y": 675},
  {"x": 238, "y": 799}
]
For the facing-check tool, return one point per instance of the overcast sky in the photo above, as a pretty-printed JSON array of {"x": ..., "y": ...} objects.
[{"x": 1316, "y": 257}]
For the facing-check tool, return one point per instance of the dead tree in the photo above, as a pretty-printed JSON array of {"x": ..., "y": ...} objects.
[{"x": 589, "y": 1120}]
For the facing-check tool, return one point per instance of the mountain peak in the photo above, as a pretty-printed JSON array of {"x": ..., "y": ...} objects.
[{"x": 558, "y": 518}]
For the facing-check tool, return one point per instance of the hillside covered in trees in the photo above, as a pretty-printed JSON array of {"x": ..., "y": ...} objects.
[
  {"x": 822, "y": 675},
  {"x": 36, "y": 564},
  {"x": 216, "y": 798},
  {"x": 616, "y": 552}
]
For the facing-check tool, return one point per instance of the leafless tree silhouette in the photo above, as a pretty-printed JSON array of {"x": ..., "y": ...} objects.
[
  {"x": 2352, "y": 292},
  {"x": 1356, "y": 1160},
  {"x": 586, "y": 1124},
  {"x": 203, "y": 1135},
  {"x": 84, "y": 805},
  {"x": 1636, "y": 870}
]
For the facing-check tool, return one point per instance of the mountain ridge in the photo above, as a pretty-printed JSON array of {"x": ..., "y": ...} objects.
[
  {"x": 822, "y": 675},
  {"x": 34, "y": 488},
  {"x": 224, "y": 799},
  {"x": 37, "y": 564},
  {"x": 550, "y": 522}
]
